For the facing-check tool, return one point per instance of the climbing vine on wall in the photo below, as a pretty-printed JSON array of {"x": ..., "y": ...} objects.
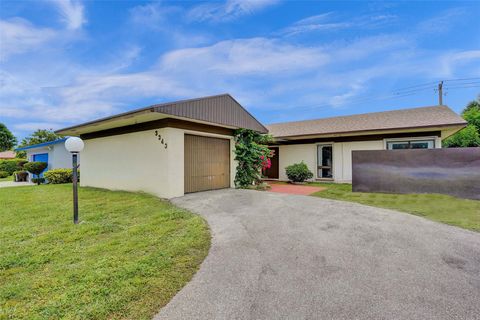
[{"x": 252, "y": 154}]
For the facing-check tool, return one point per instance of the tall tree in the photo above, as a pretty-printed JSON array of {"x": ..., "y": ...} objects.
[
  {"x": 39, "y": 136},
  {"x": 7, "y": 139},
  {"x": 472, "y": 114},
  {"x": 469, "y": 136}
]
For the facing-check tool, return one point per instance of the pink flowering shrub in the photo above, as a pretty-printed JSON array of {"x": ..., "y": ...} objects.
[{"x": 253, "y": 156}]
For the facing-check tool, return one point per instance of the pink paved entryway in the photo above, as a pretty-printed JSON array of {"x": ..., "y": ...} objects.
[{"x": 293, "y": 188}]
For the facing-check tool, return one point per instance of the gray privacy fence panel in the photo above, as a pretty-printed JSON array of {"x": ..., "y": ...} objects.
[{"x": 454, "y": 171}]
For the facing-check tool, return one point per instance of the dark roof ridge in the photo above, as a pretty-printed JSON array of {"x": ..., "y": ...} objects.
[{"x": 359, "y": 114}]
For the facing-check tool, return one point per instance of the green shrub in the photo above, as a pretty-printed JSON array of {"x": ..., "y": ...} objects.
[
  {"x": 4, "y": 174},
  {"x": 12, "y": 165},
  {"x": 38, "y": 180},
  {"x": 36, "y": 168},
  {"x": 298, "y": 172},
  {"x": 56, "y": 176}
]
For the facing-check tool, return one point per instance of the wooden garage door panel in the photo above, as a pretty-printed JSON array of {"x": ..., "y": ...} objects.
[{"x": 207, "y": 163}]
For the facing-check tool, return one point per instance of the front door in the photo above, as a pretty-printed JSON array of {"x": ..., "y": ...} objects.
[
  {"x": 324, "y": 161},
  {"x": 272, "y": 172},
  {"x": 40, "y": 157}
]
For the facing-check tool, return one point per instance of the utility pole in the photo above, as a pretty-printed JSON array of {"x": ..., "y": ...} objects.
[{"x": 440, "y": 93}]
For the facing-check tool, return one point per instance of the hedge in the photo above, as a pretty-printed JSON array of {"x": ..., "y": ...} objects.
[
  {"x": 56, "y": 176},
  {"x": 12, "y": 165}
]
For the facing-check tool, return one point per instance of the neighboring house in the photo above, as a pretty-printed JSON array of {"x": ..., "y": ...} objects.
[
  {"x": 7, "y": 155},
  {"x": 53, "y": 153},
  {"x": 167, "y": 149},
  {"x": 326, "y": 145},
  {"x": 174, "y": 148}
]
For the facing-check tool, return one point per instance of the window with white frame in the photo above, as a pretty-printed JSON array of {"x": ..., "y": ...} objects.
[
  {"x": 410, "y": 144},
  {"x": 324, "y": 161}
]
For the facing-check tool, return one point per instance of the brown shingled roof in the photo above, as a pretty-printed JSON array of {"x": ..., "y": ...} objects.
[
  {"x": 7, "y": 155},
  {"x": 436, "y": 116},
  {"x": 221, "y": 110}
]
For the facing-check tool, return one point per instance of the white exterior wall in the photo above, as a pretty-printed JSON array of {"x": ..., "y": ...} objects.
[
  {"x": 61, "y": 158},
  {"x": 342, "y": 156},
  {"x": 58, "y": 156},
  {"x": 140, "y": 162}
]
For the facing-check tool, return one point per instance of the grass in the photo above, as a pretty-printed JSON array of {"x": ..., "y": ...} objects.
[
  {"x": 9, "y": 178},
  {"x": 126, "y": 259},
  {"x": 442, "y": 208}
]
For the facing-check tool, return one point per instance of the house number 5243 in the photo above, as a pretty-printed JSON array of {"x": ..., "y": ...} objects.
[{"x": 160, "y": 138}]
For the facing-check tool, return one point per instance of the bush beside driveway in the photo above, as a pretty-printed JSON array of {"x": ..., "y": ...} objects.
[{"x": 126, "y": 259}]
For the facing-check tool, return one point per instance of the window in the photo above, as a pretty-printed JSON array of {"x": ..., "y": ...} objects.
[
  {"x": 411, "y": 144},
  {"x": 324, "y": 161}
]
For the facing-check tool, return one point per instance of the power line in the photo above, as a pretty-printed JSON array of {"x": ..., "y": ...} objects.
[
  {"x": 430, "y": 84},
  {"x": 401, "y": 93},
  {"x": 415, "y": 90},
  {"x": 357, "y": 100},
  {"x": 464, "y": 79},
  {"x": 418, "y": 85},
  {"x": 465, "y": 83},
  {"x": 461, "y": 87}
]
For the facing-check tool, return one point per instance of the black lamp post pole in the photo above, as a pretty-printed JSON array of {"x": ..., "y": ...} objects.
[{"x": 75, "y": 188}]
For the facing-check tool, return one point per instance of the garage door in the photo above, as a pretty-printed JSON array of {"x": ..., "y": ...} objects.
[{"x": 207, "y": 163}]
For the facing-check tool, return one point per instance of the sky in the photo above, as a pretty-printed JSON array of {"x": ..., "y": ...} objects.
[{"x": 64, "y": 62}]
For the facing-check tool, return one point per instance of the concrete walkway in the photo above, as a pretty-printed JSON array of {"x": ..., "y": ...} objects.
[
  {"x": 293, "y": 188},
  {"x": 278, "y": 256},
  {"x": 5, "y": 184}
]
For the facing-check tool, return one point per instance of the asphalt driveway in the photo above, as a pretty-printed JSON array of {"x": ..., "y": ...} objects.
[{"x": 278, "y": 256}]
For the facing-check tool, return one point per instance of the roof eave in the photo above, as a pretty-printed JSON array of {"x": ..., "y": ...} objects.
[
  {"x": 461, "y": 125},
  {"x": 40, "y": 145}
]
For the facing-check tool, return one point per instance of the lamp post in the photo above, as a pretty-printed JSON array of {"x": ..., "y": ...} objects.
[{"x": 74, "y": 145}]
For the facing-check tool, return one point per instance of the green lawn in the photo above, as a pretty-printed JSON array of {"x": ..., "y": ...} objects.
[
  {"x": 9, "y": 178},
  {"x": 129, "y": 256},
  {"x": 442, "y": 208}
]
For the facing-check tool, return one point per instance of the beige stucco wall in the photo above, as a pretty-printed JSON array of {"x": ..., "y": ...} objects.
[
  {"x": 139, "y": 162},
  {"x": 290, "y": 154},
  {"x": 342, "y": 156}
]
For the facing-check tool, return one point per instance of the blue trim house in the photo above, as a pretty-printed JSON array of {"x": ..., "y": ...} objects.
[{"x": 53, "y": 153}]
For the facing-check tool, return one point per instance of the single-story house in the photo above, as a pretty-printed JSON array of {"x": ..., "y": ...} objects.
[
  {"x": 7, "y": 155},
  {"x": 53, "y": 153},
  {"x": 186, "y": 146},
  {"x": 326, "y": 145},
  {"x": 166, "y": 149}
]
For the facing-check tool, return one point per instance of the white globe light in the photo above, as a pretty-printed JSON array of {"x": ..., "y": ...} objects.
[{"x": 74, "y": 144}]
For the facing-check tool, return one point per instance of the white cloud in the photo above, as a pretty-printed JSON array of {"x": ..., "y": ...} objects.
[
  {"x": 153, "y": 15},
  {"x": 72, "y": 13},
  {"x": 230, "y": 10},
  {"x": 256, "y": 56},
  {"x": 449, "y": 62},
  {"x": 18, "y": 36},
  {"x": 323, "y": 22},
  {"x": 266, "y": 74},
  {"x": 32, "y": 126},
  {"x": 441, "y": 22}
]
